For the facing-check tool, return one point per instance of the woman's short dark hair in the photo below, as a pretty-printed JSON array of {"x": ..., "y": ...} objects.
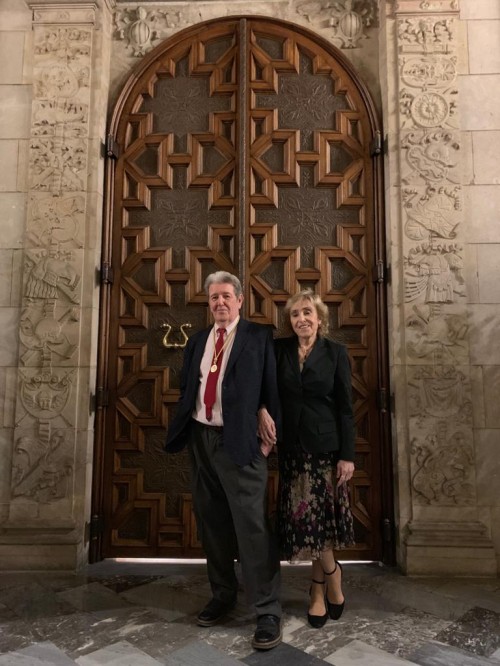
[
  {"x": 321, "y": 308},
  {"x": 223, "y": 277}
]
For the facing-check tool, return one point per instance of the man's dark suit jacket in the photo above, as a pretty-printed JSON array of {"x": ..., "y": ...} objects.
[
  {"x": 316, "y": 403},
  {"x": 249, "y": 381}
]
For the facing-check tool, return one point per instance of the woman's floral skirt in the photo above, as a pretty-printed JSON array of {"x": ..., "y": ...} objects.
[{"x": 313, "y": 512}]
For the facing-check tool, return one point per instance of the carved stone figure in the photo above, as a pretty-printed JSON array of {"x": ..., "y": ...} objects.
[
  {"x": 56, "y": 221},
  {"x": 431, "y": 157},
  {"x": 436, "y": 336},
  {"x": 42, "y": 334},
  {"x": 142, "y": 29},
  {"x": 426, "y": 35},
  {"x": 45, "y": 394},
  {"x": 433, "y": 214},
  {"x": 42, "y": 470},
  {"x": 441, "y": 391},
  {"x": 435, "y": 272},
  {"x": 51, "y": 275}
]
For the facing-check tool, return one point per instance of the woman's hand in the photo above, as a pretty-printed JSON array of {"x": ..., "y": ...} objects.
[
  {"x": 266, "y": 431},
  {"x": 345, "y": 470}
]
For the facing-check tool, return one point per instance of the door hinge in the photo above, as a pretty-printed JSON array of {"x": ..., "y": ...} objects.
[
  {"x": 382, "y": 400},
  {"x": 376, "y": 144},
  {"x": 106, "y": 273},
  {"x": 112, "y": 147},
  {"x": 101, "y": 397},
  {"x": 96, "y": 527},
  {"x": 387, "y": 530},
  {"x": 379, "y": 272}
]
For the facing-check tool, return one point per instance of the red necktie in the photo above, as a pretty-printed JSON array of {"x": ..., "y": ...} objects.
[{"x": 213, "y": 376}]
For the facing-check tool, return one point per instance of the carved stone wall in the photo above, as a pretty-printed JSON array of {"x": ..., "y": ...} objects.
[
  {"x": 430, "y": 318},
  {"x": 52, "y": 435},
  {"x": 348, "y": 24}
]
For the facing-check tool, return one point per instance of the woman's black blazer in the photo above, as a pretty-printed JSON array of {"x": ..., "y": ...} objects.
[{"x": 316, "y": 404}]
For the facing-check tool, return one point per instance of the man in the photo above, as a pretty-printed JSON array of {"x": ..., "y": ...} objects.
[{"x": 229, "y": 372}]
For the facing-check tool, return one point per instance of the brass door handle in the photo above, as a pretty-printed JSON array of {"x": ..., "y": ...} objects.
[{"x": 174, "y": 345}]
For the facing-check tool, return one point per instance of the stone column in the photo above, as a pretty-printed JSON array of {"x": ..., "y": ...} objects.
[
  {"x": 440, "y": 523},
  {"x": 50, "y": 486}
]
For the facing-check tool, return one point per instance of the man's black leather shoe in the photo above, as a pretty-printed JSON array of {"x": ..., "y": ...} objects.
[
  {"x": 268, "y": 632},
  {"x": 213, "y": 612}
]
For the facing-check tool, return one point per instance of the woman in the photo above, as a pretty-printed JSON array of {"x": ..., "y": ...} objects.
[{"x": 316, "y": 451}]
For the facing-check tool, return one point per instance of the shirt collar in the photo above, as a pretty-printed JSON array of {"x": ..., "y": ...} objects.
[{"x": 229, "y": 327}]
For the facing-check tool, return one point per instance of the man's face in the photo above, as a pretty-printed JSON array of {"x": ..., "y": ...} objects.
[{"x": 224, "y": 304}]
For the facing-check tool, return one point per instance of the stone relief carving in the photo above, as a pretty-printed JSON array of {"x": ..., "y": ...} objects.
[
  {"x": 54, "y": 14},
  {"x": 45, "y": 393},
  {"x": 441, "y": 392},
  {"x": 438, "y": 5},
  {"x": 60, "y": 80},
  {"x": 429, "y": 108},
  {"x": 50, "y": 275},
  {"x": 426, "y": 35},
  {"x": 58, "y": 164},
  {"x": 348, "y": 18},
  {"x": 444, "y": 467},
  {"x": 434, "y": 273},
  {"x": 436, "y": 71},
  {"x": 59, "y": 118},
  {"x": 56, "y": 221},
  {"x": 430, "y": 157},
  {"x": 41, "y": 333},
  {"x": 66, "y": 43},
  {"x": 42, "y": 466},
  {"x": 49, "y": 327},
  {"x": 431, "y": 214},
  {"x": 142, "y": 29},
  {"x": 434, "y": 335}
]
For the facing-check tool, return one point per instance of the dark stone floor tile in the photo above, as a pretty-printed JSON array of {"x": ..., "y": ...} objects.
[
  {"x": 123, "y": 583},
  {"x": 477, "y": 631},
  {"x": 437, "y": 654},
  {"x": 93, "y": 597},
  {"x": 283, "y": 655},
  {"x": 30, "y": 601},
  {"x": 17, "y": 634},
  {"x": 82, "y": 633},
  {"x": 199, "y": 653},
  {"x": 45, "y": 653}
]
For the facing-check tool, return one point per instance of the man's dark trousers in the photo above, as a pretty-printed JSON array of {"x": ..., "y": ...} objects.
[{"x": 230, "y": 508}]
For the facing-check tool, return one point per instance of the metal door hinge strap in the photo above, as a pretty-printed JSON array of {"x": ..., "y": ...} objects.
[
  {"x": 101, "y": 397},
  {"x": 387, "y": 530},
  {"x": 382, "y": 399},
  {"x": 106, "y": 273},
  {"x": 376, "y": 144},
  {"x": 112, "y": 147},
  {"x": 379, "y": 271},
  {"x": 96, "y": 526}
]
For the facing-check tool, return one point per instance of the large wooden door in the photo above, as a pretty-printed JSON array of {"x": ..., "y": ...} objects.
[{"x": 244, "y": 145}]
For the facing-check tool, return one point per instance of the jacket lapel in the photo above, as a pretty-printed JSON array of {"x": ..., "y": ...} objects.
[
  {"x": 240, "y": 339},
  {"x": 200, "y": 348},
  {"x": 293, "y": 356},
  {"x": 318, "y": 351}
]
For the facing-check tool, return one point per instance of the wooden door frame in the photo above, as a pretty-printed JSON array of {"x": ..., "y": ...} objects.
[{"x": 380, "y": 279}]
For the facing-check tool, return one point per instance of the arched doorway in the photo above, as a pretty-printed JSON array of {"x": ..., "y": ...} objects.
[{"x": 244, "y": 144}]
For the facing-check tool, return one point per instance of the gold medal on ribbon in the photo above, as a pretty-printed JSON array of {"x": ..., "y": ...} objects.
[{"x": 213, "y": 368}]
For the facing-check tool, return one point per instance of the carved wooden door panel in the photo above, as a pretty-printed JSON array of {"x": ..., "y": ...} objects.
[{"x": 245, "y": 146}]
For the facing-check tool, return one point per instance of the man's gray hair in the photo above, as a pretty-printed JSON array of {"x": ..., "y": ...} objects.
[{"x": 223, "y": 277}]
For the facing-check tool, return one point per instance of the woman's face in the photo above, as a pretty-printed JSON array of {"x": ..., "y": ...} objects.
[{"x": 304, "y": 319}]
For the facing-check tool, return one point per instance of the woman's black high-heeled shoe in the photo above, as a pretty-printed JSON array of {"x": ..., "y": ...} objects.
[
  {"x": 334, "y": 610},
  {"x": 317, "y": 621}
]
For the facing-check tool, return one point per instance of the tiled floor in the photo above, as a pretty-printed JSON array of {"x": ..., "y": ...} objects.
[{"x": 143, "y": 614}]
